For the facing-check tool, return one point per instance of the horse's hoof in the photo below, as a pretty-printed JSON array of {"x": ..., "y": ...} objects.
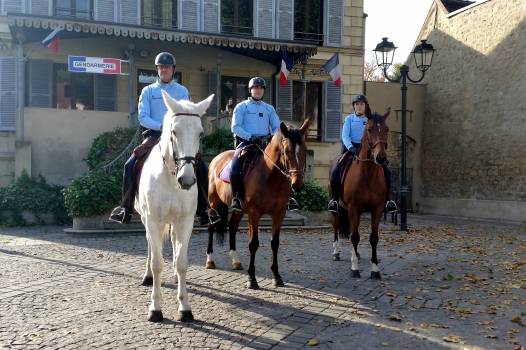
[
  {"x": 336, "y": 257},
  {"x": 355, "y": 273},
  {"x": 185, "y": 316},
  {"x": 252, "y": 284},
  {"x": 237, "y": 266},
  {"x": 278, "y": 282},
  {"x": 375, "y": 275},
  {"x": 210, "y": 265},
  {"x": 155, "y": 316},
  {"x": 147, "y": 281}
]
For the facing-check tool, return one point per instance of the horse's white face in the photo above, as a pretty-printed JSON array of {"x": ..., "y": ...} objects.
[{"x": 182, "y": 131}]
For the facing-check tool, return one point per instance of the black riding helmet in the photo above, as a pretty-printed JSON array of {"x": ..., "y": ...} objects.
[
  {"x": 359, "y": 98},
  {"x": 165, "y": 59},
  {"x": 257, "y": 81}
]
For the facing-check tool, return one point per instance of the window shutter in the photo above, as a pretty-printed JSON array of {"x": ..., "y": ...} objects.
[
  {"x": 334, "y": 22},
  {"x": 129, "y": 11},
  {"x": 40, "y": 80},
  {"x": 211, "y": 16},
  {"x": 105, "y": 92},
  {"x": 13, "y": 6},
  {"x": 283, "y": 100},
  {"x": 8, "y": 93},
  {"x": 332, "y": 121},
  {"x": 264, "y": 18},
  {"x": 286, "y": 19},
  {"x": 104, "y": 10},
  {"x": 212, "y": 86},
  {"x": 190, "y": 15},
  {"x": 39, "y": 7}
]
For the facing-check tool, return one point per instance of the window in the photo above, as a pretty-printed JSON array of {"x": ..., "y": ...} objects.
[
  {"x": 72, "y": 90},
  {"x": 83, "y": 91},
  {"x": 308, "y": 23},
  {"x": 236, "y": 16},
  {"x": 159, "y": 13},
  {"x": 233, "y": 91},
  {"x": 313, "y": 106},
  {"x": 146, "y": 77},
  {"x": 74, "y": 8}
]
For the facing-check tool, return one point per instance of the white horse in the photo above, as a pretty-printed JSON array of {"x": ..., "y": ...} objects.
[{"x": 167, "y": 195}]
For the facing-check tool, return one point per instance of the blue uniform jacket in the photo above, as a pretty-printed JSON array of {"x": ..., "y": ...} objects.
[
  {"x": 151, "y": 105},
  {"x": 254, "y": 118}
]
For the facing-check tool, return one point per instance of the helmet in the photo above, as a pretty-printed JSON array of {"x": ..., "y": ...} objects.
[
  {"x": 359, "y": 98},
  {"x": 257, "y": 81},
  {"x": 165, "y": 58}
]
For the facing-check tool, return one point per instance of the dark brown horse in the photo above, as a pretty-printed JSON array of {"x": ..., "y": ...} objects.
[
  {"x": 280, "y": 167},
  {"x": 364, "y": 190}
]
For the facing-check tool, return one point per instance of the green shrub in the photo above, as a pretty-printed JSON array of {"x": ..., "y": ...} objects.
[
  {"x": 107, "y": 146},
  {"x": 31, "y": 195},
  {"x": 312, "y": 196},
  {"x": 218, "y": 141},
  {"x": 93, "y": 194}
]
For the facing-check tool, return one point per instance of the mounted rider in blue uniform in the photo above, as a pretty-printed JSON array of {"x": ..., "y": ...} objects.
[
  {"x": 352, "y": 132},
  {"x": 253, "y": 121},
  {"x": 151, "y": 113}
]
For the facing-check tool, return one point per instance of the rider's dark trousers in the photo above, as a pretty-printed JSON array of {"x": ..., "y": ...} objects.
[{"x": 236, "y": 177}]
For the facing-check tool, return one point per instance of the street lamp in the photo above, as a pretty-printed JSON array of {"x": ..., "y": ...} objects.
[{"x": 423, "y": 55}]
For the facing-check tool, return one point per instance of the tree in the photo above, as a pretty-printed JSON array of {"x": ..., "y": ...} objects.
[{"x": 371, "y": 71}]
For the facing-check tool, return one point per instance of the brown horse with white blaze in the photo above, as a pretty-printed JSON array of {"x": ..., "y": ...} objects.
[
  {"x": 365, "y": 190},
  {"x": 279, "y": 168}
]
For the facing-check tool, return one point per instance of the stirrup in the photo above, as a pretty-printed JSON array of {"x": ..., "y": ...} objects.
[
  {"x": 236, "y": 204},
  {"x": 120, "y": 215},
  {"x": 333, "y": 206},
  {"x": 213, "y": 216},
  {"x": 390, "y": 206},
  {"x": 292, "y": 205}
]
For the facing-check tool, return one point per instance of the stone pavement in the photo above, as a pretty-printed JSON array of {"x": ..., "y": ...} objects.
[{"x": 447, "y": 283}]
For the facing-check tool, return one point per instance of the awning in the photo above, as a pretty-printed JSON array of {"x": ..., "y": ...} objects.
[{"x": 33, "y": 29}]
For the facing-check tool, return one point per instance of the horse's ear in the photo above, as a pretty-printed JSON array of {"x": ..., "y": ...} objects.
[
  {"x": 170, "y": 102},
  {"x": 201, "y": 107},
  {"x": 284, "y": 129},
  {"x": 387, "y": 112},
  {"x": 305, "y": 126}
]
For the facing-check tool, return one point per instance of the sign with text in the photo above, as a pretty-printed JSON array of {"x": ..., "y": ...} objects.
[{"x": 83, "y": 64}]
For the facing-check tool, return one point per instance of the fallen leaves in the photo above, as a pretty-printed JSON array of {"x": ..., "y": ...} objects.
[{"x": 313, "y": 342}]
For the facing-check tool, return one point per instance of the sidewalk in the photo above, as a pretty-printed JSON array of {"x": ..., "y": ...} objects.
[{"x": 448, "y": 283}]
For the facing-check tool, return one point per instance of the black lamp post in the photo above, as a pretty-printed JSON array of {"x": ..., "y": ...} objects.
[{"x": 423, "y": 55}]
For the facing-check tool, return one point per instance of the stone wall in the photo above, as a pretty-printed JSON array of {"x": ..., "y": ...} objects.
[{"x": 474, "y": 133}]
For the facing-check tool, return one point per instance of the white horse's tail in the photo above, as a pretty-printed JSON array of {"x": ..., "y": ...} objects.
[{"x": 167, "y": 231}]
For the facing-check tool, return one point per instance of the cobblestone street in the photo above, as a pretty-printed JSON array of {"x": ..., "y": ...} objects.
[{"x": 448, "y": 283}]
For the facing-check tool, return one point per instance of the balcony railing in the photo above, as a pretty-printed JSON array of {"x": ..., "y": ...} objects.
[
  {"x": 73, "y": 13},
  {"x": 237, "y": 30},
  {"x": 315, "y": 38},
  {"x": 169, "y": 23}
]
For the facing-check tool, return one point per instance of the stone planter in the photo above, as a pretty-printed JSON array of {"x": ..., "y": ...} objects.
[{"x": 89, "y": 223}]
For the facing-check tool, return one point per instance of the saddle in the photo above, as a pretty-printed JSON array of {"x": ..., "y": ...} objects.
[
  {"x": 248, "y": 157},
  {"x": 344, "y": 163},
  {"x": 141, "y": 152}
]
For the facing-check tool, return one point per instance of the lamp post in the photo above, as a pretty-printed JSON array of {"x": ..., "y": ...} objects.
[{"x": 423, "y": 56}]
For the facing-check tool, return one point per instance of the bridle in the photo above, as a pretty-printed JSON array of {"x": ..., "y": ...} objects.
[
  {"x": 286, "y": 172},
  {"x": 181, "y": 161},
  {"x": 370, "y": 148}
]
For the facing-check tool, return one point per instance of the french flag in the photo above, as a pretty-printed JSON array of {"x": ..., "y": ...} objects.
[
  {"x": 52, "y": 41},
  {"x": 333, "y": 68},
  {"x": 286, "y": 67}
]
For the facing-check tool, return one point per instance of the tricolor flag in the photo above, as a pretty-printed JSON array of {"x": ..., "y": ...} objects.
[
  {"x": 286, "y": 67},
  {"x": 333, "y": 68},
  {"x": 52, "y": 41}
]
